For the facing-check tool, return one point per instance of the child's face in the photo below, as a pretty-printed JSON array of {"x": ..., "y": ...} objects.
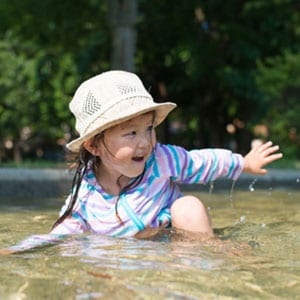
[{"x": 126, "y": 147}]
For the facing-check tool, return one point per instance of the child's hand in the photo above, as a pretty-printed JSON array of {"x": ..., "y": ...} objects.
[
  {"x": 260, "y": 156},
  {"x": 6, "y": 251}
]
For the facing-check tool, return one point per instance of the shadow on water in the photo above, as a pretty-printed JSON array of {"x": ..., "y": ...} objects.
[{"x": 255, "y": 255}]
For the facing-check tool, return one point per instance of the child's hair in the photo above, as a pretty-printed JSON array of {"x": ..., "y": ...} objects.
[{"x": 82, "y": 162}]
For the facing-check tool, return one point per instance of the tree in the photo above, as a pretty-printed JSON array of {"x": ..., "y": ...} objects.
[
  {"x": 15, "y": 94},
  {"x": 45, "y": 53},
  {"x": 122, "y": 19},
  {"x": 34, "y": 89},
  {"x": 206, "y": 55},
  {"x": 279, "y": 81},
  {"x": 218, "y": 60}
]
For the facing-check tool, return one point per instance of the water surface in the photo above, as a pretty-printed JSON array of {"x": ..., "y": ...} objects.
[{"x": 256, "y": 255}]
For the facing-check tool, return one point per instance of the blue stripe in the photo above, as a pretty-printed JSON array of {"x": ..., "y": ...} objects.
[
  {"x": 76, "y": 216},
  {"x": 131, "y": 214},
  {"x": 190, "y": 168},
  {"x": 199, "y": 174},
  {"x": 141, "y": 189},
  {"x": 175, "y": 154},
  {"x": 214, "y": 166},
  {"x": 150, "y": 180},
  {"x": 83, "y": 209},
  {"x": 155, "y": 170},
  {"x": 90, "y": 175},
  {"x": 231, "y": 167},
  {"x": 90, "y": 187},
  {"x": 107, "y": 196},
  {"x": 123, "y": 230}
]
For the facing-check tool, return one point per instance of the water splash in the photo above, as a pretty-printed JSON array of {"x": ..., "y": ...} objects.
[
  {"x": 270, "y": 191},
  {"x": 210, "y": 191},
  {"x": 211, "y": 188},
  {"x": 231, "y": 193},
  {"x": 251, "y": 186}
]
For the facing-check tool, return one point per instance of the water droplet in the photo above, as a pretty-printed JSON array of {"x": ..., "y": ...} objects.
[
  {"x": 211, "y": 187},
  {"x": 231, "y": 192},
  {"x": 242, "y": 219},
  {"x": 270, "y": 191},
  {"x": 298, "y": 180},
  {"x": 251, "y": 186}
]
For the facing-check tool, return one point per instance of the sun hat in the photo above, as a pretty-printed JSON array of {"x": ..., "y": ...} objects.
[{"x": 108, "y": 99}]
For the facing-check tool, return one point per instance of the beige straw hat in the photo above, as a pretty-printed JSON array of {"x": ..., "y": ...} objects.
[{"x": 109, "y": 99}]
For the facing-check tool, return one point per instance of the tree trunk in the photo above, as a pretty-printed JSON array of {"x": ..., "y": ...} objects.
[
  {"x": 122, "y": 18},
  {"x": 17, "y": 156}
]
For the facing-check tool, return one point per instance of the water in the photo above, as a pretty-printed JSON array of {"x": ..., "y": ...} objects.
[{"x": 256, "y": 255}]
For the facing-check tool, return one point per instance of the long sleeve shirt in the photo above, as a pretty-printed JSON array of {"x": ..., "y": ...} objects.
[{"x": 148, "y": 203}]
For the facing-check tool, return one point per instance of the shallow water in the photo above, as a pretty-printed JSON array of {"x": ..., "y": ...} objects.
[{"x": 256, "y": 255}]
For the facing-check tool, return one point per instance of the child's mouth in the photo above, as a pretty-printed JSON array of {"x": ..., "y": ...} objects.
[{"x": 138, "y": 158}]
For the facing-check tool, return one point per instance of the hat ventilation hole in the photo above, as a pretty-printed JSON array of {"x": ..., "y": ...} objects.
[
  {"x": 91, "y": 104},
  {"x": 127, "y": 89}
]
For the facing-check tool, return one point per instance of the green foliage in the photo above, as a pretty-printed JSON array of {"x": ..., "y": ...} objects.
[
  {"x": 222, "y": 62},
  {"x": 206, "y": 54},
  {"x": 16, "y": 68},
  {"x": 35, "y": 89},
  {"x": 47, "y": 48},
  {"x": 279, "y": 80}
]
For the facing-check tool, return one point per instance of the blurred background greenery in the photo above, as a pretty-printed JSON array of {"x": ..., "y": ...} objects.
[{"x": 233, "y": 68}]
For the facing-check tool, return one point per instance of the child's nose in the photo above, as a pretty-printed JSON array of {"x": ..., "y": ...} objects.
[{"x": 145, "y": 140}]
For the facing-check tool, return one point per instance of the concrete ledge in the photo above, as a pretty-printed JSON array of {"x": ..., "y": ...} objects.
[
  {"x": 34, "y": 183},
  {"x": 49, "y": 183},
  {"x": 24, "y": 174}
]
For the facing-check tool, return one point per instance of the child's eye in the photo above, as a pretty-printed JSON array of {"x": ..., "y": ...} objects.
[{"x": 131, "y": 133}]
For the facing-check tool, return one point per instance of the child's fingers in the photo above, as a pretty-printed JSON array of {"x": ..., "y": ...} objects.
[
  {"x": 263, "y": 147},
  {"x": 267, "y": 148},
  {"x": 271, "y": 150},
  {"x": 273, "y": 157},
  {"x": 263, "y": 171}
]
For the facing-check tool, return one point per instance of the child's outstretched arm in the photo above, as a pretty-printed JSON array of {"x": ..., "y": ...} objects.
[
  {"x": 260, "y": 156},
  {"x": 34, "y": 241},
  {"x": 6, "y": 251}
]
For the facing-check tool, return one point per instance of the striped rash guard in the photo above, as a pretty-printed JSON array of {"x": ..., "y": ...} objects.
[{"x": 146, "y": 204}]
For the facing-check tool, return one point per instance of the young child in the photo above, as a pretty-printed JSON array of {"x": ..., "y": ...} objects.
[{"x": 125, "y": 181}]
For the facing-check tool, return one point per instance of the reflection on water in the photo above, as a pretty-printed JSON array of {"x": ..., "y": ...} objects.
[{"x": 256, "y": 255}]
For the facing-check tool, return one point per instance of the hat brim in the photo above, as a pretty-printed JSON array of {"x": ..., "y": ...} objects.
[{"x": 161, "y": 112}]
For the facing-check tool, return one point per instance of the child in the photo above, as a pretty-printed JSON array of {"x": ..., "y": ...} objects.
[{"x": 125, "y": 180}]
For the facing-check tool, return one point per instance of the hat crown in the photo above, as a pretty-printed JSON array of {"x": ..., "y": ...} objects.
[
  {"x": 97, "y": 95},
  {"x": 109, "y": 99}
]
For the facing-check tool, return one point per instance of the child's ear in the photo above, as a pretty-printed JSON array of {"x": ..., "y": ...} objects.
[{"x": 90, "y": 146}]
